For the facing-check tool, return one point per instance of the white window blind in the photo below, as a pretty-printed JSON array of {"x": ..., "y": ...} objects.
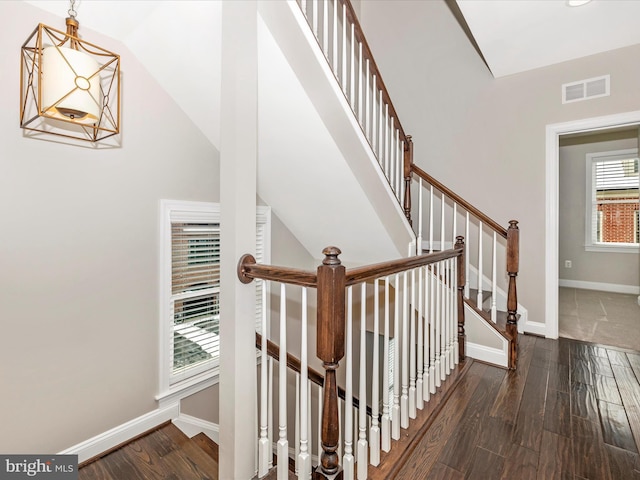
[
  {"x": 612, "y": 204},
  {"x": 190, "y": 292},
  {"x": 195, "y": 294}
]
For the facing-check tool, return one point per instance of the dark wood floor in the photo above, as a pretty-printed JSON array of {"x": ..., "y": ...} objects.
[
  {"x": 570, "y": 411},
  {"x": 164, "y": 454}
]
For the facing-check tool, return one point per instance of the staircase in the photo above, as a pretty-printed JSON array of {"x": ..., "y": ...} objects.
[{"x": 163, "y": 453}]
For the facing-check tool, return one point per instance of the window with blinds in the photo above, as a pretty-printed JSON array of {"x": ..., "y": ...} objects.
[
  {"x": 195, "y": 294},
  {"x": 612, "y": 206},
  {"x": 190, "y": 292}
]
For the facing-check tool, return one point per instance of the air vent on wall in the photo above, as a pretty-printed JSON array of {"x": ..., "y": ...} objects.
[{"x": 586, "y": 89}]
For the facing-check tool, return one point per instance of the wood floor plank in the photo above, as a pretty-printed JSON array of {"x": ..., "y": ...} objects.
[
  {"x": 443, "y": 472},
  {"x": 458, "y": 451},
  {"x": 581, "y": 371},
  {"x": 615, "y": 426},
  {"x": 634, "y": 361},
  {"x": 622, "y": 463},
  {"x": 600, "y": 366},
  {"x": 528, "y": 428},
  {"x": 559, "y": 377},
  {"x": 606, "y": 389},
  {"x": 591, "y": 460},
  {"x": 618, "y": 358},
  {"x": 583, "y": 402},
  {"x": 493, "y": 431},
  {"x": 507, "y": 401},
  {"x": 522, "y": 464},
  {"x": 555, "y": 462},
  {"x": 630, "y": 393},
  {"x": 557, "y": 414},
  {"x": 485, "y": 464},
  {"x": 429, "y": 447}
]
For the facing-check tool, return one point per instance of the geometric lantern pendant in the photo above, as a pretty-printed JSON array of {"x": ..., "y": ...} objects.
[{"x": 68, "y": 87}]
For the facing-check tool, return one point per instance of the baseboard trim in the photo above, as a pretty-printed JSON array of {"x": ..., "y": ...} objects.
[
  {"x": 123, "y": 433},
  {"x": 535, "y": 328},
  {"x": 192, "y": 426},
  {"x": 487, "y": 354},
  {"x": 603, "y": 287}
]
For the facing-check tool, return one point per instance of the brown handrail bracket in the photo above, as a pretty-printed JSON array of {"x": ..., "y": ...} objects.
[{"x": 245, "y": 260}]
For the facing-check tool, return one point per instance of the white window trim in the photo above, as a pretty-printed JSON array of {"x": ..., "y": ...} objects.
[
  {"x": 590, "y": 245},
  {"x": 197, "y": 212}
]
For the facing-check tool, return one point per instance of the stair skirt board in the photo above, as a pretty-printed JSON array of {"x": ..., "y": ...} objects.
[
  {"x": 123, "y": 433},
  {"x": 497, "y": 349},
  {"x": 487, "y": 354},
  {"x": 192, "y": 426}
]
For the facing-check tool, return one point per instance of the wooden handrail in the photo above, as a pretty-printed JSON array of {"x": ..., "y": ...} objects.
[
  {"x": 499, "y": 229},
  {"x": 248, "y": 270},
  {"x": 370, "y": 272}
]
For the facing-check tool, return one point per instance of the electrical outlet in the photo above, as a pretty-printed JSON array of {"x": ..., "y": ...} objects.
[{"x": 567, "y": 264}]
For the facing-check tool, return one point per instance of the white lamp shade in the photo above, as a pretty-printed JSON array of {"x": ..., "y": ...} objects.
[{"x": 70, "y": 85}]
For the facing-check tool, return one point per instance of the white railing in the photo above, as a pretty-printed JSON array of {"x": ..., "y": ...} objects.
[
  {"x": 403, "y": 329},
  {"x": 340, "y": 38}
]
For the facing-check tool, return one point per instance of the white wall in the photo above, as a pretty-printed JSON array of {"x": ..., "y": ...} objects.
[
  {"x": 79, "y": 255},
  {"x": 485, "y": 137},
  {"x": 594, "y": 267}
]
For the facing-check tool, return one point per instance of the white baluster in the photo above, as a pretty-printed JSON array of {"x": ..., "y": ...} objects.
[
  {"x": 315, "y": 18},
  {"x": 442, "y": 237},
  {"x": 395, "y": 412},
  {"x": 420, "y": 320},
  {"x": 387, "y": 142},
  {"x": 335, "y": 39},
  {"x": 447, "y": 307},
  {"x": 386, "y": 419},
  {"x": 352, "y": 75},
  {"x": 443, "y": 331},
  {"x": 480, "y": 274},
  {"x": 309, "y": 422},
  {"x": 367, "y": 106},
  {"x": 427, "y": 301},
  {"x": 454, "y": 312},
  {"x": 374, "y": 431},
  {"x": 431, "y": 219},
  {"x": 362, "y": 436},
  {"x": 419, "y": 246},
  {"x": 374, "y": 111},
  {"x": 345, "y": 88},
  {"x": 380, "y": 130},
  {"x": 325, "y": 30},
  {"x": 283, "y": 443},
  {"x": 264, "y": 446},
  {"x": 451, "y": 298},
  {"x": 360, "y": 91},
  {"x": 304, "y": 458},
  {"x": 270, "y": 410},
  {"x": 320, "y": 408},
  {"x": 432, "y": 329},
  {"x": 348, "y": 460},
  {"x": 412, "y": 348},
  {"x": 455, "y": 221},
  {"x": 399, "y": 160},
  {"x": 494, "y": 287},
  {"x": 297, "y": 425},
  {"x": 438, "y": 319},
  {"x": 466, "y": 258},
  {"x": 404, "y": 399}
]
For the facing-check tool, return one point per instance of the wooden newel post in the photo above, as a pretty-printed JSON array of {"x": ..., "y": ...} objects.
[
  {"x": 513, "y": 260},
  {"x": 462, "y": 336},
  {"x": 408, "y": 161},
  {"x": 330, "y": 349}
]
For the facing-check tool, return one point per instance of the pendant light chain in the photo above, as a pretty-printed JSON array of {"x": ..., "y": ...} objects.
[{"x": 72, "y": 11}]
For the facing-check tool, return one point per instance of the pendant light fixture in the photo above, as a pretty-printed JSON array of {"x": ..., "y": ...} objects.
[{"x": 68, "y": 87}]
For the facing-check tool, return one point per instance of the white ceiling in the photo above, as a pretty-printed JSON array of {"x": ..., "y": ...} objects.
[{"x": 519, "y": 35}]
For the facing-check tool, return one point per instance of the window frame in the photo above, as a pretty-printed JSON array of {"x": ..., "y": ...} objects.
[
  {"x": 173, "y": 388},
  {"x": 590, "y": 244}
]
